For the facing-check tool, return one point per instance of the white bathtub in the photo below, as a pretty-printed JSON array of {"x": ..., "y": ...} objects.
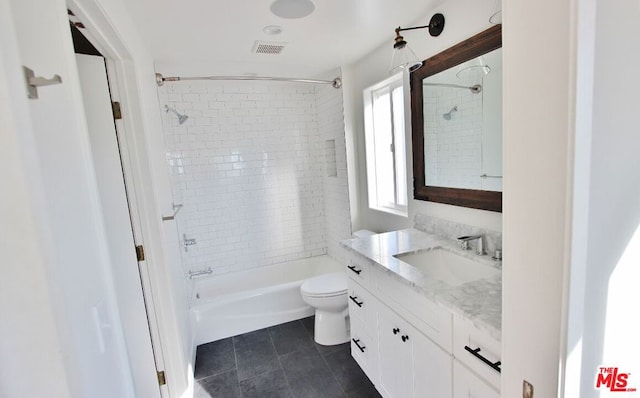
[{"x": 240, "y": 302}]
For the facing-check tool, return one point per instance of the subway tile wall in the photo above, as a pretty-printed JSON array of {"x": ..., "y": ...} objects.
[
  {"x": 335, "y": 182},
  {"x": 249, "y": 167},
  {"x": 453, "y": 148}
]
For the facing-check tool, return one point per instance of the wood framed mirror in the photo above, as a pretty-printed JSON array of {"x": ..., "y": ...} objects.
[{"x": 484, "y": 192}]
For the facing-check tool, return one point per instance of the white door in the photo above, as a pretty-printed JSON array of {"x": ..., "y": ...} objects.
[
  {"x": 124, "y": 264},
  {"x": 70, "y": 220}
]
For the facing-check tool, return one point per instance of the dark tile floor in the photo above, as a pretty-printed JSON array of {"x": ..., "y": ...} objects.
[{"x": 280, "y": 361}]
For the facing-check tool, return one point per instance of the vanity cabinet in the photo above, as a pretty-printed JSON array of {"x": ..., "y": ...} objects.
[
  {"x": 409, "y": 346},
  {"x": 389, "y": 341}
]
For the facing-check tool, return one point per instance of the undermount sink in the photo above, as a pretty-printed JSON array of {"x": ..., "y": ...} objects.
[{"x": 447, "y": 266}]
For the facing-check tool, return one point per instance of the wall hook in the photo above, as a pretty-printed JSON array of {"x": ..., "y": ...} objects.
[{"x": 33, "y": 82}]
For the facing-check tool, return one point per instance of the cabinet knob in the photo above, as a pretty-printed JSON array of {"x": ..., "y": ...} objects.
[
  {"x": 396, "y": 330},
  {"x": 405, "y": 338}
]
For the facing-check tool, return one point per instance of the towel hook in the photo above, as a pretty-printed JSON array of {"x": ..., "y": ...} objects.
[{"x": 33, "y": 82}]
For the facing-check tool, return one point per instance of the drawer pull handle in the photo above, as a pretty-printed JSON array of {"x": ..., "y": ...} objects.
[
  {"x": 396, "y": 330},
  {"x": 361, "y": 348},
  {"x": 353, "y": 268},
  {"x": 355, "y": 300},
  {"x": 405, "y": 338},
  {"x": 476, "y": 353}
]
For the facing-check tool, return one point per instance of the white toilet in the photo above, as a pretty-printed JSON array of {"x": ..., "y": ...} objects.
[{"x": 328, "y": 295}]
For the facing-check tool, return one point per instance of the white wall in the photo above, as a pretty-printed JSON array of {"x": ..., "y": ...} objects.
[
  {"x": 601, "y": 331},
  {"x": 538, "y": 157},
  {"x": 463, "y": 19},
  {"x": 29, "y": 339}
]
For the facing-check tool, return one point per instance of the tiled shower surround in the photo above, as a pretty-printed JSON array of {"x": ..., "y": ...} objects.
[
  {"x": 453, "y": 148},
  {"x": 260, "y": 168}
]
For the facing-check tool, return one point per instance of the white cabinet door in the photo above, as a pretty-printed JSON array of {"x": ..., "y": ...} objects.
[
  {"x": 432, "y": 368},
  {"x": 410, "y": 364},
  {"x": 469, "y": 385},
  {"x": 394, "y": 356}
]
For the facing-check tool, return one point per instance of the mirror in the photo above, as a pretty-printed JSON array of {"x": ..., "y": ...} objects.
[{"x": 456, "y": 120}]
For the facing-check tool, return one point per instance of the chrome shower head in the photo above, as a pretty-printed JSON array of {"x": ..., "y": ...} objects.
[
  {"x": 181, "y": 117},
  {"x": 447, "y": 116}
]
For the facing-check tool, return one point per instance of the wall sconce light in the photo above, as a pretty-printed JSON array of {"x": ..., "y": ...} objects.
[{"x": 403, "y": 57}]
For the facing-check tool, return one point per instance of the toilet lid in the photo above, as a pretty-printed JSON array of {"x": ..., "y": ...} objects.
[{"x": 325, "y": 285}]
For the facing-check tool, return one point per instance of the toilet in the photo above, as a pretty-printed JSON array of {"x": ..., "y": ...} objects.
[{"x": 328, "y": 295}]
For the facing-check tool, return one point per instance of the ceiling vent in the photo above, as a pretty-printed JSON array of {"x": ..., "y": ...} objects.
[{"x": 265, "y": 47}]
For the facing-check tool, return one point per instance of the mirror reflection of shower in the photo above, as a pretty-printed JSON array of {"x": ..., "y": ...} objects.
[
  {"x": 475, "y": 89},
  {"x": 181, "y": 117},
  {"x": 447, "y": 116}
]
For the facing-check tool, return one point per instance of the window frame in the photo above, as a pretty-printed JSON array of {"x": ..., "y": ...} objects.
[{"x": 400, "y": 189}]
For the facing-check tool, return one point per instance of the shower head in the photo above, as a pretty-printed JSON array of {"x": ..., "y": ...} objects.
[
  {"x": 447, "y": 116},
  {"x": 181, "y": 117}
]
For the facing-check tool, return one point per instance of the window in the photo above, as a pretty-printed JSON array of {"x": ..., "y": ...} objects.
[{"x": 385, "y": 146}]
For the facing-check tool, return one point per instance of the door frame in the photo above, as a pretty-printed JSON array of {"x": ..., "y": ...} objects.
[
  {"x": 125, "y": 154},
  {"x": 139, "y": 181}
]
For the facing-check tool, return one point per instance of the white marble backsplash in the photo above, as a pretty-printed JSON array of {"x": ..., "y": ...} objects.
[{"x": 453, "y": 230}]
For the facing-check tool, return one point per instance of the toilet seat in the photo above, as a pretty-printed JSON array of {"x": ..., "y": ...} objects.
[{"x": 327, "y": 285}]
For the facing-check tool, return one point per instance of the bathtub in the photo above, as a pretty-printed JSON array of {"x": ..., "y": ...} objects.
[{"x": 240, "y": 302}]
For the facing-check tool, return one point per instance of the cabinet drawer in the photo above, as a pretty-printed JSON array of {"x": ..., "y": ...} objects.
[
  {"x": 361, "y": 303},
  {"x": 429, "y": 318},
  {"x": 364, "y": 349},
  {"x": 359, "y": 270},
  {"x": 469, "y": 385},
  {"x": 465, "y": 334}
]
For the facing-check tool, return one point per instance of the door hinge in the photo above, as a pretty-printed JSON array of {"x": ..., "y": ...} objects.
[
  {"x": 117, "y": 112},
  {"x": 140, "y": 253},
  {"x": 162, "y": 378}
]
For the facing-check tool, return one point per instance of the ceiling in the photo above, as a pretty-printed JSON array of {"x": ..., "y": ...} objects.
[{"x": 223, "y": 32}]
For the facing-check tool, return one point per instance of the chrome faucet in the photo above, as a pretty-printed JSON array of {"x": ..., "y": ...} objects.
[{"x": 464, "y": 243}]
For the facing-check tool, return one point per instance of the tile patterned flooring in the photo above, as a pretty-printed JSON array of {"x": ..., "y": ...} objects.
[{"x": 280, "y": 361}]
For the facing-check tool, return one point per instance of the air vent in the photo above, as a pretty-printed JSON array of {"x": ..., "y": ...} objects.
[{"x": 264, "y": 47}]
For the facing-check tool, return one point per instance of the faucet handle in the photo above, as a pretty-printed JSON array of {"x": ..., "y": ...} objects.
[{"x": 498, "y": 255}]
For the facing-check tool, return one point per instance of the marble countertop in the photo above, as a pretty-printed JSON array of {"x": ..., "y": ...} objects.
[{"x": 479, "y": 301}]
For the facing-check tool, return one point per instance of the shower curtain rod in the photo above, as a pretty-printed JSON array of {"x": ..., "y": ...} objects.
[{"x": 160, "y": 80}]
